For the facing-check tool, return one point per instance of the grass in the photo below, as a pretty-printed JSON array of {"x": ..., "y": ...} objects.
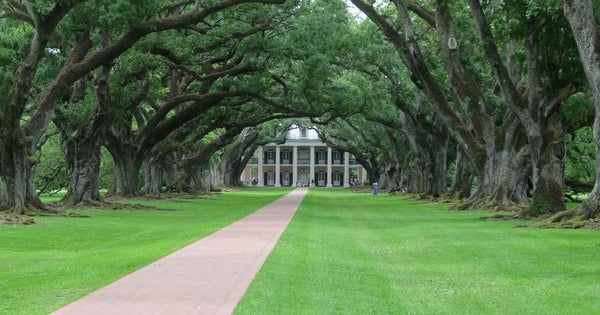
[
  {"x": 348, "y": 253},
  {"x": 46, "y": 266}
]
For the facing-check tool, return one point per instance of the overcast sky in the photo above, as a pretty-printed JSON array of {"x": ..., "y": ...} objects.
[{"x": 356, "y": 12}]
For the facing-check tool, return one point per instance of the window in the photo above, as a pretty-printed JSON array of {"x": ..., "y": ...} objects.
[
  {"x": 303, "y": 132},
  {"x": 321, "y": 157},
  {"x": 321, "y": 178},
  {"x": 270, "y": 157},
  {"x": 270, "y": 178},
  {"x": 286, "y": 157},
  {"x": 285, "y": 178},
  {"x": 337, "y": 157}
]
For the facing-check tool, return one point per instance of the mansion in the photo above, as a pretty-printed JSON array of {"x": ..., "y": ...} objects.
[{"x": 303, "y": 161}]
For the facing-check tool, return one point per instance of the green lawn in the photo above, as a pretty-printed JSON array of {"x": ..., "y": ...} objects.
[
  {"x": 349, "y": 253},
  {"x": 46, "y": 266}
]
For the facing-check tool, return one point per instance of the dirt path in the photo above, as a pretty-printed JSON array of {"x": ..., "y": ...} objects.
[{"x": 209, "y": 276}]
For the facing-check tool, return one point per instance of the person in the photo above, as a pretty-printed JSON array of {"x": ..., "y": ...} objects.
[
  {"x": 375, "y": 189},
  {"x": 303, "y": 185}
]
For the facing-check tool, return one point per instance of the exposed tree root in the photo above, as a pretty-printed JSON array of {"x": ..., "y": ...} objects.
[
  {"x": 580, "y": 218},
  {"x": 495, "y": 202},
  {"x": 22, "y": 215},
  {"x": 450, "y": 197},
  {"x": 501, "y": 217},
  {"x": 105, "y": 205},
  {"x": 12, "y": 218},
  {"x": 172, "y": 196},
  {"x": 85, "y": 203}
]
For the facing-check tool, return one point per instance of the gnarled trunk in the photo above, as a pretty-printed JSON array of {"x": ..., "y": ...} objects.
[
  {"x": 463, "y": 177},
  {"x": 126, "y": 168},
  {"x": 152, "y": 177},
  {"x": 372, "y": 174},
  {"x": 392, "y": 178},
  {"x": 207, "y": 178},
  {"x": 409, "y": 180},
  {"x": 126, "y": 173},
  {"x": 82, "y": 147},
  {"x": 548, "y": 172},
  {"x": 439, "y": 170},
  {"x": 500, "y": 175},
  {"x": 584, "y": 23},
  {"x": 17, "y": 192},
  {"x": 231, "y": 176},
  {"x": 82, "y": 157},
  {"x": 235, "y": 158}
]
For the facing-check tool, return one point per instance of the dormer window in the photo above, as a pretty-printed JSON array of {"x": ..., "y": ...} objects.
[{"x": 303, "y": 132}]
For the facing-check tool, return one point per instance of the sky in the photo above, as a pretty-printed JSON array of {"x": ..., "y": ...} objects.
[{"x": 355, "y": 11}]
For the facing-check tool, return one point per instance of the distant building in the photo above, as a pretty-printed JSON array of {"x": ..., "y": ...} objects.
[{"x": 303, "y": 160}]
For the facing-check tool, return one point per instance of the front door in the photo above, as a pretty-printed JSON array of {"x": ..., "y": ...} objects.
[
  {"x": 321, "y": 178},
  {"x": 270, "y": 178},
  {"x": 285, "y": 178},
  {"x": 303, "y": 178}
]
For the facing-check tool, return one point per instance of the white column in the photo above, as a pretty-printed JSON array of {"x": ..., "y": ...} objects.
[
  {"x": 346, "y": 169},
  {"x": 261, "y": 176},
  {"x": 243, "y": 177},
  {"x": 364, "y": 175},
  {"x": 311, "y": 178},
  {"x": 277, "y": 166},
  {"x": 329, "y": 175},
  {"x": 295, "y": 166}
]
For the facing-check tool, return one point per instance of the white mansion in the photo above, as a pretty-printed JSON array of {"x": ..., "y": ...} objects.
[{"x": 304, "y": 160}]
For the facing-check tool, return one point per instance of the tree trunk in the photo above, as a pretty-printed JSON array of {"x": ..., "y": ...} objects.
[
  {"x": 117, "y": 139},
  {"x": 82, "y": 147},
  {"x": 17, "y": 193},
  {"x": 207, "y": 178},
  {"x": 391, "y": 178},
  {"x": 580, "y": 14},
  {"x": 439, "y": 170},
  {"x": 499, "y": 176},
  {"x": 82, "y": 156},
  {"x": 126, "y": 173},
  {"x": 152, "y": 176},
  {"x": 463, "y": 177},
  {"x": 231, "y": 176},
  {"x": 410, "y": 180},
  {"x": 372, "y": 167},
  {"x": 236, "y": 156},
  {"x": 548, "y": 172},
  {"x": 201, "y": 180}
]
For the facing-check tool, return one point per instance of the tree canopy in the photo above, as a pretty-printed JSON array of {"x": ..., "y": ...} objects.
[{"x": 492, "y": 103}]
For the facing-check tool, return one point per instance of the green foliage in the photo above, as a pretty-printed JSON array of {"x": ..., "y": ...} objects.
[
  {"x": 115, "y": 17},
  {"x": 50, "y": 174},
  {"x": 580, "y": 161},
  {"x": 75, "y": 114},
  {"x": 13, "y": 42},
  {"x": 576, "y": 110},
  {"x": 106, "y": 176},
  {"x": 42, "y": 8}
]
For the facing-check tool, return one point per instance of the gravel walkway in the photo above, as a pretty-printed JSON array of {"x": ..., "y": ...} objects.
[{"x": 209, "y": 276}]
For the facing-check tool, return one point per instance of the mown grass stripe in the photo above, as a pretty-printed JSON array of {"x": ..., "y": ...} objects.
[
  {"x": 347, "y": 253},
  {"x": 57, "y": 261}
]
